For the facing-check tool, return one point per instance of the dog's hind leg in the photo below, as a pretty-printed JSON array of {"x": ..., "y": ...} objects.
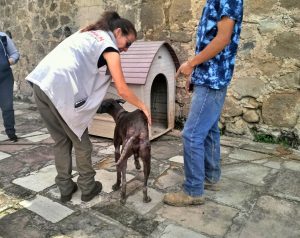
[
  {"x": 124, "y": 182},
  {"x": 146, "y": 157},
  {"x": 136, "y": 161}
]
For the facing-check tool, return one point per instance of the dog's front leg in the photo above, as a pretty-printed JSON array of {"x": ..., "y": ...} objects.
[{"x": 116, "y": 186}]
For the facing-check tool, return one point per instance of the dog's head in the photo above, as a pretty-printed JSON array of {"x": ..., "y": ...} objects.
[{"x": 108, "y": 105}]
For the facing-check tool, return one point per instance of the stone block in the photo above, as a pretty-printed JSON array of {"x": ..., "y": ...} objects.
[
  {"x": 136, "y": 201},
  {"x": 248, "y": 173},
  {"x": 272, "y": 217},
  {"x": 211, "y": 218},
  {"x": 4, "y": 155},
  {"x": 281, "y": 110},
  {"x": 39, "y": 180},
  {"x": 49, "y": 210}
]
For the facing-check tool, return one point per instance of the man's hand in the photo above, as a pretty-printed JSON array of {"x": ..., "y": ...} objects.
[{"x": 186, "y": 68}]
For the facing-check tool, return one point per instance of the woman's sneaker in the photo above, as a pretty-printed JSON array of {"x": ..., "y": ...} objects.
[
  {"x": 66, "y": 198},
  {"x": 96, "y": 190}
]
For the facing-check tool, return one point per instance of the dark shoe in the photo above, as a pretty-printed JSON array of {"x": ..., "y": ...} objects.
[
  {"x": 68, "y": 197},
  {"x": 13, "y": 138},
  {"x": 96, "y": 190},
  {"x": 181, "y": 199},
  {"x": 212, "y": 186}
]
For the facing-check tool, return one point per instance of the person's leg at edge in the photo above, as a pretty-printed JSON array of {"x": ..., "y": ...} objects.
[
  {"x": 62, "y": 144},
  {"x": 212, "y": 157},
  {"x": 6, "y": 103},
  {"x": 200, "y": 119},
  {"x": 83, "y": 153}
]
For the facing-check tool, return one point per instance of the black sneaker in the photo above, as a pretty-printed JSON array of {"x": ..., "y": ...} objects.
[
  {"x": 96, "y": 190},
  {"x": 68, "y": 197},
  {"x": 13, "y": 138}
]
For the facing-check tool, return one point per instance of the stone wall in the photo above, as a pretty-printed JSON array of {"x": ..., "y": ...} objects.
[{"x": 264, "y": 95}]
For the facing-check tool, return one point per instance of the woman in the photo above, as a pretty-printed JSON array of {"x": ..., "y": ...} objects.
[{"x": 68, "y": 91}]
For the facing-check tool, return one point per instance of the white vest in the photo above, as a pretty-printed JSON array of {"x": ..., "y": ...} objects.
[{"x": 69, "y": 74}]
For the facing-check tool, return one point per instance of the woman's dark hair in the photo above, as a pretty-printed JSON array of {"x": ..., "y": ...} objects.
[{"x": 110, "y": 21}]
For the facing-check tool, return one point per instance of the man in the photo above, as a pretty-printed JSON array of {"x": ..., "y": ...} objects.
[
  {"x": 9, "y": 55},
  {"x": 211, "y": 68}
]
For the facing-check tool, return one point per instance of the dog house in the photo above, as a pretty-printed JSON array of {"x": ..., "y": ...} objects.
[{"x": 149, "y": 68}]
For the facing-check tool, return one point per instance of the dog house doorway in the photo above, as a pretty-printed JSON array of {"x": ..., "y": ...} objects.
[{"x": 159, "y": 103}]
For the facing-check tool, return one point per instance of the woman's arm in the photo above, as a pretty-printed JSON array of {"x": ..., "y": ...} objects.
[{"x": 114, "y": 64}]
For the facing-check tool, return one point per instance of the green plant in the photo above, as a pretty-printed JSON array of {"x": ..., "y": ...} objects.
[{"x": 285, "y": 139}]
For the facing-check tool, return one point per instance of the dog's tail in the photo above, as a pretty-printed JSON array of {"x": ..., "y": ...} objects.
[{"x": 127, "y": 146}]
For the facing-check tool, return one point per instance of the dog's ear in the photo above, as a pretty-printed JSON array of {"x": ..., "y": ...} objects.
[
  {"x": 120, "y": 101},
  {"x": 103, "y": 108}
]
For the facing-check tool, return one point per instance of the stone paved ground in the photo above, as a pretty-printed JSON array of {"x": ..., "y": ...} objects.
[{"x": 260, "y": 195}]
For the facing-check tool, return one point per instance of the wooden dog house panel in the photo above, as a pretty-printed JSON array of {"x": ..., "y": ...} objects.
[{"x": 149, "y": 69}]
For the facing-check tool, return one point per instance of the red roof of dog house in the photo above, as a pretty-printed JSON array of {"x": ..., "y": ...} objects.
[{"x": 137, "y": 60}]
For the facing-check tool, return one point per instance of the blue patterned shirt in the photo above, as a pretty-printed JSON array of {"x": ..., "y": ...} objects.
[{"x": 217, "y": 72}]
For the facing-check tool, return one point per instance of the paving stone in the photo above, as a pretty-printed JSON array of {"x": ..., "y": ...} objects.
[
  {"x": 136, "y": 201},
  {"x": 231, "y": 142},
  {"x": 168, "y": 179},
  {"x": 26, "y": 224},
  {"x": 273, "y": 164},
  {"x": 174, "y": 231},
  {"x": 4, "y": 155},
  {"x": 76, "y": 198},
  {"x": 38, "y": 138},
  {"x": 128, "y": 217},
  {"x": 107, "y": 163},
  {"x": 8, "y": 204},
  {"x": 158, "y": 168},
  {"x": 260, "y": 147},
  {"x": 14, "y": 148},
  {"x": 87, "y": 224},
  {"x": 273, "y": 218},
  {"x": 177, "y": 159},
  {"x": 293, "y": 165},
  {"x": 46, "y": 208},
  {"x": 248, "y": 173},
  {"x": 110, "y": 150},
  {"x": 108, "y": 179},
  {"x": 38, "y": 181},
  {"x": 227, "y": 160},
  {"x": 165, "y": 149},
  {"x": 231, "y": 195},
  {"x": 245, "y": 155},
  {"x": 225, "y": 150},
  {"x": 211, "y": 218},
  {"x": 3, "y": 137},
  {"x": 35, "y": 133},
  {"x": 286, "y": 184},
  {"x": 19, "y": 112}
]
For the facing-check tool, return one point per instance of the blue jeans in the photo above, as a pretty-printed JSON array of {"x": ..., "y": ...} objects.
[
  {"x": 6, "y": 101},
  {"x": 201, "y": 139}
]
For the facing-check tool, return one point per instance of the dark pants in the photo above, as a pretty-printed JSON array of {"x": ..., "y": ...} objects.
[
  {"x": 6, "y": 102},
  {"x": 65, "y": 140}
]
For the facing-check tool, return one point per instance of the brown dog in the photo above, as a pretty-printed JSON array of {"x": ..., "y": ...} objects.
[{"x": 132, "y": 133}]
